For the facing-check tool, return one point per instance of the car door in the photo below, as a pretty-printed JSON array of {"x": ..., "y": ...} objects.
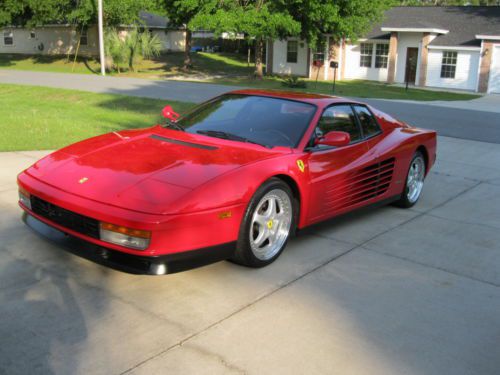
[
  {"x": 382, "y": 149},
  {"x": 341, "y": 178}
]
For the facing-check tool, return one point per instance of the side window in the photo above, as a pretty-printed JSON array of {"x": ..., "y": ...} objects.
[
  {"x": 368, "y": 122},
  {"x": 338, "y": 118}
]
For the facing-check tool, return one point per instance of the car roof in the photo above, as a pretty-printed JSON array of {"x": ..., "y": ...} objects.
[{"x": 295, "y": 95}]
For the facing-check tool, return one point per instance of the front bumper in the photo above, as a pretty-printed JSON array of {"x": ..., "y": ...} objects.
[{"x": 131, "y": 263}]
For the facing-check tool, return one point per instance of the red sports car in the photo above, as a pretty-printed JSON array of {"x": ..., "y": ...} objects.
[{"x": 232, "y": 179}]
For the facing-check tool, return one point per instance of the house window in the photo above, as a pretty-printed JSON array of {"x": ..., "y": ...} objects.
[
  {"x": 8, "y": 38},
  {"x": 84, "y": 37},
  {"x": 366, "y": 55},
  {"x": 292, "y": 48},
  {"x": 449, "y": 64},
  {"x": 381, "y": 55},
  {"x": 32, "y": 34}
]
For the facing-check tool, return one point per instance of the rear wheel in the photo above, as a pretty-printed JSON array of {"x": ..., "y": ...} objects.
[
  {"x": 414, "y": 182},
  {"x": 267, "y": 225}
]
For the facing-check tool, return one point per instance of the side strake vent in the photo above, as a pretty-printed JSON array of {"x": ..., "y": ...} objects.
[
  {"x": 183, "y": 143},
  {"x": 361, "y": 185}
]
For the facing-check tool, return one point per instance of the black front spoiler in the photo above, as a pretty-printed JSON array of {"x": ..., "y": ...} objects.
[{"x": 135, "y": 264}]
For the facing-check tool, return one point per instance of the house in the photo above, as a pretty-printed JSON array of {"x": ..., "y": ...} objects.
[
  {"x": 455, "y": 47},
  {"x": 63, "y": 38}
]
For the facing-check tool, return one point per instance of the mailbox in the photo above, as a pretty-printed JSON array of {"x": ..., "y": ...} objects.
[{"x": 334, "y": 64}]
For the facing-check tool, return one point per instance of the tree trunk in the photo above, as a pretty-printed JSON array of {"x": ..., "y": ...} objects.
[
  {"x": 187, "y": 51},
  {"x": 259, "y": 48}
]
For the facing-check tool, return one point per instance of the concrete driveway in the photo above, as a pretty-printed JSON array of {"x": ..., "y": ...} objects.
[{"x": 385, "y": 291}]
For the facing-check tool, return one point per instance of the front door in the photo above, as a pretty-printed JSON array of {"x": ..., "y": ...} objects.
[{"x": 411, "y": 64}]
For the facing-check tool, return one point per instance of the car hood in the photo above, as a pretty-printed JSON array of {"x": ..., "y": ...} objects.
[{"x": 146, "y": 170}]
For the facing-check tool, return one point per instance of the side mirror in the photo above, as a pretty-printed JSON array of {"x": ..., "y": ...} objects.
[
  {"x": 169, "y": 113},
  {"x": 334, "y": 138}
]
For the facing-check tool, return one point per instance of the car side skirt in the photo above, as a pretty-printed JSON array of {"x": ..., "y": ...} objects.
[{"x": 130, "y": 263}]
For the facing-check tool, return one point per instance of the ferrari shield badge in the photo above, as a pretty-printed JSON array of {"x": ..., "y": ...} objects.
[{"x": 301, "y": 165}]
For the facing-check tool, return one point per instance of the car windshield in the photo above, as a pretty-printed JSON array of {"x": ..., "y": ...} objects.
[{"x": 256, "y": 119}]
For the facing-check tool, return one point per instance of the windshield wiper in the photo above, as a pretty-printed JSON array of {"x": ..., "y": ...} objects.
[
  {"x": 171, "y": 124},
  {"x": 230, "y": 136}
]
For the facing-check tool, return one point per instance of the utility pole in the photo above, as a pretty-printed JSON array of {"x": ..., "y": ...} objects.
[{"x": 101, "y": 38}]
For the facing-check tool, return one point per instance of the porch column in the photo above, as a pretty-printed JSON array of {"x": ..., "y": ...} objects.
[
  {"x": 270, "y": 55},
  {"x": 484, "y": 69},
  {"x": 422, "y": 79},
  {"x": 327, "y": 57},
  {"x": 342, "y": 63},
  {"x": 393, "y": 47},
  {"x": 333, "y": 55}
]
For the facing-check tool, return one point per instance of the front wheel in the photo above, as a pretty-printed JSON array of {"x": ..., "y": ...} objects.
[
  {"x": 267, "y": 225},
  {"x": 414, "y": 182}
]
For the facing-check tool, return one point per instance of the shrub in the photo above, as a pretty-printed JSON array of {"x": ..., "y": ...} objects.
[{"x": 293, "y": 82}]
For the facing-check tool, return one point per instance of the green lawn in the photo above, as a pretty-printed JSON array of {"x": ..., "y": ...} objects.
[
  {"x": 38, "y": 118},
  {"x": 354, "y": 88},
  {"x": 166, "y": 65}
]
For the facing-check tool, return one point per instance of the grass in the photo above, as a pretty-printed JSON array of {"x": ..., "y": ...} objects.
[
  {"x": 44, "y": 63},
  {"x": 228, "y": 69},
  {"x": 165, "y": 66},
  {"x": 352, "y": 88},
  {"x": 39, "y": 118}
]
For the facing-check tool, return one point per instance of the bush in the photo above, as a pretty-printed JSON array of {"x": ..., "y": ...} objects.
[
  {"x": 294, "y": 82},
  {"x": 129, "y": 47}
]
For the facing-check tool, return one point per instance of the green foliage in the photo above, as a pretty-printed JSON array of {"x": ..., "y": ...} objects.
[
  {"x": 257, "y": 19},
  {"x": 81, "y": 12},
  {"x": 129, "y": 47},
  {"x": 447, "y": 2},
  {"x": 115, "y": 48},
  {"x": 32, "y": 12},
  {"x": 341, "y": 18},
  {"x": 293, "y": 82}
]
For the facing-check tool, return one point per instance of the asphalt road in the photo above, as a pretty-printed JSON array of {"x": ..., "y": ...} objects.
[{"x": 452, "y": 122}]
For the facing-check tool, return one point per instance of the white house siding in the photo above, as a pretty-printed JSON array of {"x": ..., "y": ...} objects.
[
  {"x": 494, "y": 82},
  {"x": 352, "y": 62},
  {"x": 465, "y": 74},
  {"x": 280, "y": 66},
  {"x": 407, "y": 40},
  {"x": 172, "y": 40},
  {"x": 54, "y": 40}
]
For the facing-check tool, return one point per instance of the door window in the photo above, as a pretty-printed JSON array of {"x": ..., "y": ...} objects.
[
  {"x": 338, "y": 118},
  {"x": 367, "y": 120}
]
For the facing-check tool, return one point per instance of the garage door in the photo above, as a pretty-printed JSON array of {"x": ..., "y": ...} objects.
[{"x": 494, "y": 84}]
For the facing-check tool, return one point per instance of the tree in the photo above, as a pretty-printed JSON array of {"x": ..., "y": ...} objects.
[
  {"x": 81, "y": 12},
  {"x": 340, "y": 18},
  {"x": 128, "y": 48},
  {"x": 32, "y": 12},
  {"x": 180, "y": 13},
  {"x": 448, "y": 2},
  {"x": 259, "y": 19}
]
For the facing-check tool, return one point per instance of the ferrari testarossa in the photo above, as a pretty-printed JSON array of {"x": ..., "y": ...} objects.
[{"x": 232, "y": 179}]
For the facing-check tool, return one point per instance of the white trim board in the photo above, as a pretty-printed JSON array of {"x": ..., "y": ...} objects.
[
  {"x": 415, "y": 30},
  {"x": 455, "y": 48},
  {"x": 492, "y": 37}
]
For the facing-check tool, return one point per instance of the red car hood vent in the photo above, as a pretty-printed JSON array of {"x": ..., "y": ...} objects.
[
  {"x": 184, "y": 143},
  {"x": 146, "y": 173}
]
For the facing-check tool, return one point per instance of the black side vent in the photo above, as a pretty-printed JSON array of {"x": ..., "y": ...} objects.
[{"x": 183, "y": 143}]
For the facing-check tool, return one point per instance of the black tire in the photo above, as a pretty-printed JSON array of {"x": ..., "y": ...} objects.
[
  {"x": 244, "y": 254},
  {"x": 404, "y": 201}
]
